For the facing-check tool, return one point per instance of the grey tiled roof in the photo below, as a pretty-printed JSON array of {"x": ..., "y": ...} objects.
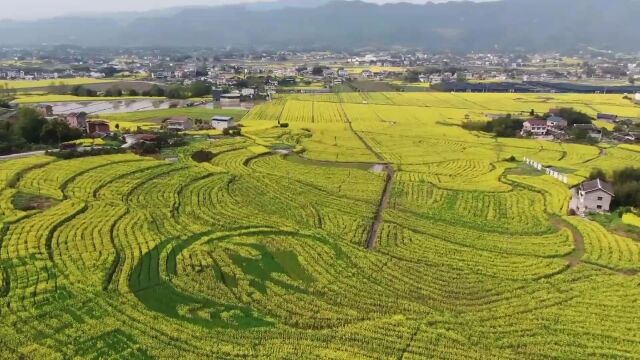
[{"x": 597, "y": 184}]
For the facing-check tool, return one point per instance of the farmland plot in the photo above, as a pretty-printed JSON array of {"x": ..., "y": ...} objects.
[{"x": 262, "y": 255}]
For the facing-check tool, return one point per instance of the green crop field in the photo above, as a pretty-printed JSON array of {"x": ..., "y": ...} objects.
[{"x": 393, "y": 234}]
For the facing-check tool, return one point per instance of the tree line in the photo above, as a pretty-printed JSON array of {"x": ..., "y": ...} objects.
[
  {"x": 176, "y": 91},
  {"x": 626, "y": 185},
  {"x": 30, "y": 131}
]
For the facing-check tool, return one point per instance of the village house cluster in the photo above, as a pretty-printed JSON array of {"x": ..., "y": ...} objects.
[
  {"x": 554, "y": 127},
  {"x": 230, "y": 69}
]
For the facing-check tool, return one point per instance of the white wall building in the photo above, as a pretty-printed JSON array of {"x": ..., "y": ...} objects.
[
  {"x": 592, "y": 196},
  {"x": 222, "y": 122}
]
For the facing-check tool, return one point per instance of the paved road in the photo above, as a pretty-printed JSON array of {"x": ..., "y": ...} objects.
[{"x": 21, "y": 155}]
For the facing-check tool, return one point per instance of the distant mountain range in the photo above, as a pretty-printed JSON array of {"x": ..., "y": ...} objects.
[{"x": 532, "y": 25}]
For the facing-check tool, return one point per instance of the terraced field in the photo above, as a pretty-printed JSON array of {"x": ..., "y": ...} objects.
[{"x": 260, "y": 254}]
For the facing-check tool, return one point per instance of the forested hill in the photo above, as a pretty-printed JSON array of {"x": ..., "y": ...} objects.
[{"x": 547, "y": 25}]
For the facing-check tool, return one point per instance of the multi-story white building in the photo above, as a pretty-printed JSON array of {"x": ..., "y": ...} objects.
[
  {"x": 535, "y": 127},
  {"x": 592, "y": 196}
]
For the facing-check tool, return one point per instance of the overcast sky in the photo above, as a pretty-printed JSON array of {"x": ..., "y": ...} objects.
[{"x": 34, "y": 9}]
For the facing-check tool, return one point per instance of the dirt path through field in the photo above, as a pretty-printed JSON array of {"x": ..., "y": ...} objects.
[
  {"x": 578, "y": 248},
  {"x": 388, "y": 185},
  {"x": 384, "y": 201},
  {"x": 575, "y": 257}
]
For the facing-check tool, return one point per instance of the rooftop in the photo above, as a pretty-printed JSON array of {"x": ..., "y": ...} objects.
[
  {"x": 597, "y": 184},
  {"x": 556, "y": 119},
  {"x": 222, "y": 118},
  {"x": 537, "y": 122}
]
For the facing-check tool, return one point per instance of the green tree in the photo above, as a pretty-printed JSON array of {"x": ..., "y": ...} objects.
[
  {"x": 317, "y": 71},
  {"x": 176, "y": 92},
  {"x": 154, "y": 91},
  {"x": 57, "y": 131},
  {"x": 199, "y": 88},
  {"x": 30, "y": 124},
  {"x": 412, "y": 76},
  {"x": 574, "y": 117},
  {"x": 598, "y": 173},
  {"x": 113, "y": 91}
]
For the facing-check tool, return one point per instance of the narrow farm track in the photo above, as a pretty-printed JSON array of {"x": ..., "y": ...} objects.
[
  {"x": 388, "y": 185},
  {"x": 575, "y": 257},
  {"x": 384, "y": 201}
]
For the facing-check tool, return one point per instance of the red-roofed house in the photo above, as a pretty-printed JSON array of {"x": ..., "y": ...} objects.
[{"x": 536, "y": 127}]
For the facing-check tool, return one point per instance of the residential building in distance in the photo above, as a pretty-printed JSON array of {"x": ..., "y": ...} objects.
[
  {"x": 248, "y": 92},
  {"x": 591, "y": 129},
  {"x": 77, "y": 120},
  {"x": 591, "y": 196},
  {"x": 98, "y": 127},
  {"x": 179, "y": 124},
  {"x": 230, "y": 99},
  {"x": 45, "y": 110},
  {"x": 557, "y": 122},
  {"x": 222, "y": 122},
  {"x": 535, "y": 127}
]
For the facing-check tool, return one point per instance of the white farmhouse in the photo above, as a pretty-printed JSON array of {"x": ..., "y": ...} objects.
[
  {"x": 591, "y": 196},
  {"x": 179, "y": 124},
  {"x": 248, "y": 92},
  {"x": 222, "y": 122},
  {"x": 535, "y": 127}
]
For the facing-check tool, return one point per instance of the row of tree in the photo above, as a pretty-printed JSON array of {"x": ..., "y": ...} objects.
[
  {"x": 31, "y": 131},
  {"x": 196, "y": 89},
  {"x": 506, "y": 126}
]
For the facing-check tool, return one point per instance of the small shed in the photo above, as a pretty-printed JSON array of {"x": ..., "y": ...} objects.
[
  {"x": 98, "y": 126},
  {"x": 179, "y": 124},
  {"x": 222, "y": 122}
]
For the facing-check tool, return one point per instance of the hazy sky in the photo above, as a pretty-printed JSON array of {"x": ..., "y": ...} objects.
[{"x": 34, "y": 9}]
